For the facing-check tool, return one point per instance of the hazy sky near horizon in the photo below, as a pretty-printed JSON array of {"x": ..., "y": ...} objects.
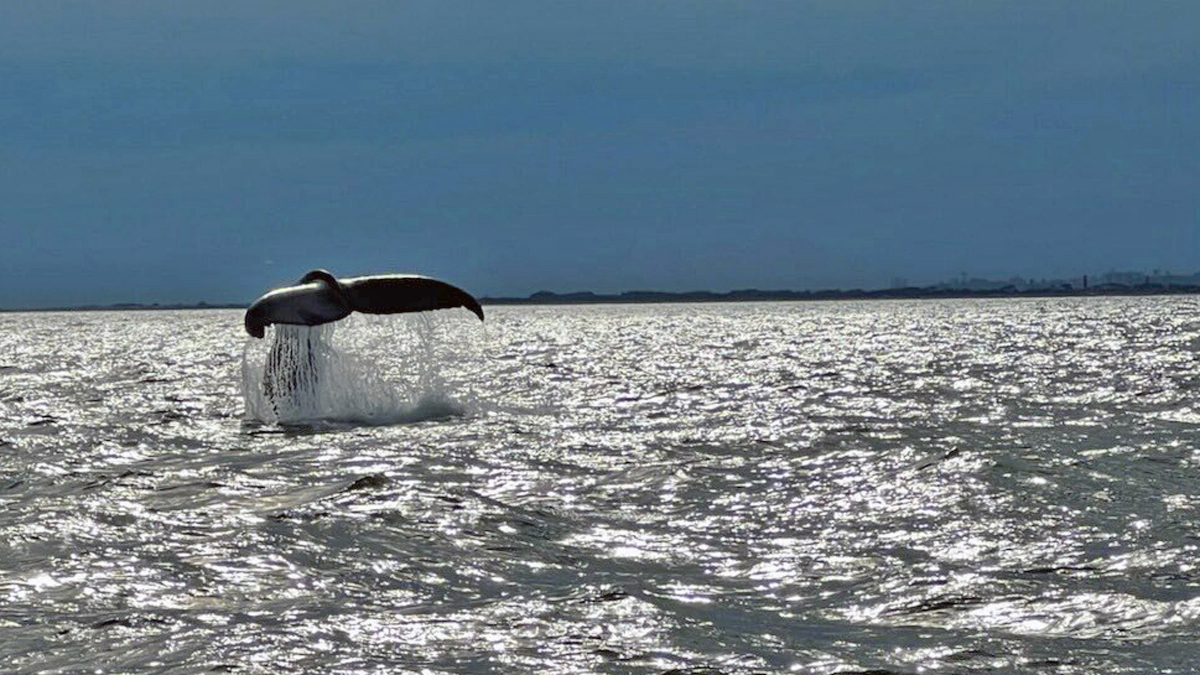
[{"x": 160, "y": 152}]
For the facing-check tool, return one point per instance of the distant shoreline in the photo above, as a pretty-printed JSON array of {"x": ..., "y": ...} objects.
[
  {"x": 749, "y": 295},
  {"x": 754, "y": 295}
]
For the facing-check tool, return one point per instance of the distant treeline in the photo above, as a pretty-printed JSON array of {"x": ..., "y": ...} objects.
[
  {"x": 131, "y": 306},
  {"x": 746, "y": 295},
  {"x": 756, "y": 295}
]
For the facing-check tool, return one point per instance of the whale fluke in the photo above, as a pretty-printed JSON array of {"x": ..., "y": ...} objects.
[
  {"x": 396, "y": 293},
  {"x": 320, "y": 298}
]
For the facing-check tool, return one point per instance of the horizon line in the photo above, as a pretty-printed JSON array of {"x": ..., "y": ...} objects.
[{"x": 1059, "y": 288}]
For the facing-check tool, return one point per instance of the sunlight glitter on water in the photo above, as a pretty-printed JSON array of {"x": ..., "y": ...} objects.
[{"x": 939, "y": 487}]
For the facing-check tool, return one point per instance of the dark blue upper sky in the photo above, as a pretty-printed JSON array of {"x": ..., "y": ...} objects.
[{"x": 161, "y": 152}]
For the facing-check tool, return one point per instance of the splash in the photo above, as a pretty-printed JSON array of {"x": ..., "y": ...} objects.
[{"x": 381, "y": 372}]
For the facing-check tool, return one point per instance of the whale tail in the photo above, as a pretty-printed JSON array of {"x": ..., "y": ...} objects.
[
  {"x": 321, "y": 298},
  {"x": 395, "y": 294}
]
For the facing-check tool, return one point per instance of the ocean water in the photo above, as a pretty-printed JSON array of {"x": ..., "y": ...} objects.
[{"x": 975, "y": 486}]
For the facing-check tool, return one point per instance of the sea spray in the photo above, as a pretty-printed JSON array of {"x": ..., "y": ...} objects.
[{"x": 379, "y": 370}]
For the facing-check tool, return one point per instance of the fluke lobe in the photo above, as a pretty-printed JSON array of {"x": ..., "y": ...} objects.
[{"x": 319, "y": 297}]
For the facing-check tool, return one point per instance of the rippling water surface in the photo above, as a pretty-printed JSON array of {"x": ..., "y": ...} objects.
[{"x": 1007, "y": 486}]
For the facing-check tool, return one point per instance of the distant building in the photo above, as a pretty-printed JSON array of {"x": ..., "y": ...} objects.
[
  {"x": 1125, "y": 278},
  {"x": 978, "y": 284}
]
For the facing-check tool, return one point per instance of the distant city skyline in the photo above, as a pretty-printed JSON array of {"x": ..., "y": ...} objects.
[
  {"x": 167, "y": 152},
  {"x": 1111, "y": 277}
]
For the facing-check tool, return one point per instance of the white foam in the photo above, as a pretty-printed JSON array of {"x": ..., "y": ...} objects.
[{"x": 382, "y": 370}]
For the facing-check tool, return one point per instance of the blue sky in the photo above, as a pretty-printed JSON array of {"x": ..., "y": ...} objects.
[{"x": 161, "y": 152}]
